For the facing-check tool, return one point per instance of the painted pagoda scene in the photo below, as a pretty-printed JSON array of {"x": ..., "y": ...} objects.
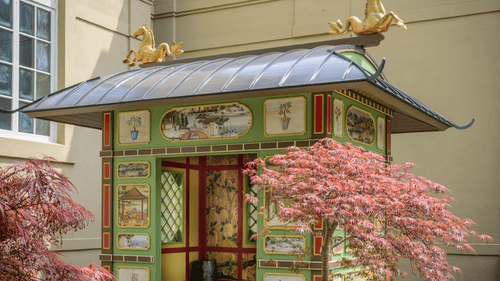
[{"x": 267, "y": 165}]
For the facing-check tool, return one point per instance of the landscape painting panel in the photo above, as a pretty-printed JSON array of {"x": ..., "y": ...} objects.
[
  {"x": 271, "y": 216},
  {"x": 285, "y": 116},
  {"x": 133, "y": 127},
  {"x": 133, "y": 170},
  {"x": 133, "y": 241},
  {"x": 133, "y": 205},
  {"x": 360, "y": 125},
  {"x": 283, "y": 277},
  {"x": 284, "y": 244},
  {"x": 206, "y": 122},
  {"x": 133, "y": 274}
]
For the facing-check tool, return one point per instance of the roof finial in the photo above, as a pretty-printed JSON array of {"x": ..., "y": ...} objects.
[
  {"x": 147, "y": 51},
  {"x": 376, "y": 21}
]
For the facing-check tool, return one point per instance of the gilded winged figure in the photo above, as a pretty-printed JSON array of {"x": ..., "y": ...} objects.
[
  {"x": 376, "y": 21},
  {"x": 147, "y": 51}
]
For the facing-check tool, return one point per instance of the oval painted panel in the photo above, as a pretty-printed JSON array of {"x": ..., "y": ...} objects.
[
  {"x": 360, "y": 125},
  {"x": 206, "y": 122}
]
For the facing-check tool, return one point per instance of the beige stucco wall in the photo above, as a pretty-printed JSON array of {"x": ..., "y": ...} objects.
[
  {"x": 448, "y": 58},
  {"x": 93, "y": 39}
]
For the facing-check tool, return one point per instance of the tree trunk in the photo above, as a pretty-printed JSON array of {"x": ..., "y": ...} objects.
[{"x": 325, "y": 253}]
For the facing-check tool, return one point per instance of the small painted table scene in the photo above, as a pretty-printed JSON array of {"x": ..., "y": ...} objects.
[{"x": 175, "y": 141}]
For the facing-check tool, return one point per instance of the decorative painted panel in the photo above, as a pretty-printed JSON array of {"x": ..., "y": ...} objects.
[
  {"x": 283, "y": 277},
  {"x": 214, "y": 121},
  {"x": 360, "y": 126},
  {"x": 128, "y": 273},
  {"x": 133, "y": 205},
  {"x": 380, "y": 133},
  {"x": 338, "y": 115},
  {"x": 133, "y": 241},
  {"x": 249, "y": 267},
  {"x": 340, "y": 248},
  {"x": 133, "y": 127},
  {"x": 284, "y": 245},
  {"x": 227, "y": 264},
  {"x": 222, "y": 208},
  {"x": 285, "y": 116},
  {"x": 132, "y": 170}
]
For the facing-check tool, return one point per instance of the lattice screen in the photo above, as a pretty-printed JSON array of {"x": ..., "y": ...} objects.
[
  {"x": 252, "y": 214},
  {"x": 172, "y": 207}
]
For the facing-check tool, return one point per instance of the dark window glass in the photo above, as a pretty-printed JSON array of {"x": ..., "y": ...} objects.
[
  {"x": 26, "y": 18},
  {"x": 42, "y": 85},
  {"x": 25, "y": 122},
  {"x": 5, "y": 79},
  {"x": 42, "y": 56},
  {"x": 5, "y": 44},
  {"x": 43, "y": 26},
  {"x": 6, "y": 13},
  {"x": 5, "y": 119},
  {"x": 26, "y": 84},
  {"x": 26, "y": 48}
]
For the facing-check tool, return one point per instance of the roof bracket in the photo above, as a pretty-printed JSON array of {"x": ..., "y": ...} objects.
[
  {"x": 379, "y": 71},
  {"x": 466, "y": 126}
]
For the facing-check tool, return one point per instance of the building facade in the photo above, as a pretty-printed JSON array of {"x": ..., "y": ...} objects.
[
  {"x": 447, "y": 59},
  {"x": 46, "y": 45}
]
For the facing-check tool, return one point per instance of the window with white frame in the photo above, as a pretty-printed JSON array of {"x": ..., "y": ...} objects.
[{"x": 27, "y": 64}]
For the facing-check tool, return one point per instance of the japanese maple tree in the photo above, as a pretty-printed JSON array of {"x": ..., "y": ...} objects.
[
  {"x": 386, "y": 212},
  {"x": 35, "y": 210}
]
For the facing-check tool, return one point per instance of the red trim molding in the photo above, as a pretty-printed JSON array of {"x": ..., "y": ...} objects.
[
  {"x": 318, "y": 242},
  {"x": 107, "y": 131},
  {"x": 319, "y": 114},
  {"x": 329, "y": 115},
  {"x": 106, "y": 173},
  {"x": 106, "y": 243},
  {"x": 106, "y": 210}
]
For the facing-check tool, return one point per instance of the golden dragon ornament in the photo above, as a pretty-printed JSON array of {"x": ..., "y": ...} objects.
[
  {"x": 147, "y": 51},
  {"x": 376, "y": 21}
]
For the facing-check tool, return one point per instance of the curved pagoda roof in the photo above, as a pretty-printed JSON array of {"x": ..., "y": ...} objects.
[{"x": 298, "y": 70}]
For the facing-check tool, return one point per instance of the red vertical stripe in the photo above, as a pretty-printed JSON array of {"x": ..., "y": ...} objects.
[
  {"x": 240, "y": 218},
  {"x": 318, "y": 278},
  {"x": 318, "y": 241},
  {"x": 318, "y": 114},
  {"x": 106, "y": 171},
  {"x": 107, "y": 128},
  {"x": 329, "y": 116},
  {"x": 105, "y": 239},
  {"x": 188, "y": 187},
  {"x": 202, "y": 235},
  {"x": 106, "y": 211},
  {"x": 319, "y": 225}
]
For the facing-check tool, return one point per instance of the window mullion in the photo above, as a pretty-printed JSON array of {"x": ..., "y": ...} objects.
[{"x": 15, "y": 67}]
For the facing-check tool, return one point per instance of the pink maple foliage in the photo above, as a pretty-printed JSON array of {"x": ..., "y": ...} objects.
[
  {"x": 386, "y": 212},
  {"x": 35, "y": 211}
]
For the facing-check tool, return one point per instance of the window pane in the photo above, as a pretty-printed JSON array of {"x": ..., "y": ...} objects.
[
  {"x": 26, "y": 84},
  {"x": 5, "y": 45},
  {"x": 26, "y": 18},
  {"x": 42, "y": 127},
  {"x": 5, "y": 119},
  {"x": 5, "y": 79},
  {"x": 42, "y": 56},
  {"x": 42, "y": 85},
  {"x": 25, "y": 122},
  {"x": 43, "y": 26},
  {"x": 6, "y": 13},
  {"x": 26, "y": 49}
]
